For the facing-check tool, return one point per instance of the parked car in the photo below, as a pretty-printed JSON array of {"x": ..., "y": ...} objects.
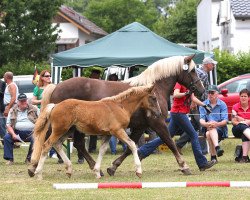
[
  {"x": 24, "y": 84},
  {"x": 229, "y": 90}
]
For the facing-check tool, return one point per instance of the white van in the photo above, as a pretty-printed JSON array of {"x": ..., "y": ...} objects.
[{"x": 25, "y": 85}]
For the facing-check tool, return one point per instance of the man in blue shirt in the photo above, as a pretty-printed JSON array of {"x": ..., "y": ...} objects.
[{"x": 214, "y": 125}]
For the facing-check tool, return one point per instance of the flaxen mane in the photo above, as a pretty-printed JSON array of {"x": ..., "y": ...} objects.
[
  {"x": 127, "y": 93},
  {"x": 160, "y": 69}
]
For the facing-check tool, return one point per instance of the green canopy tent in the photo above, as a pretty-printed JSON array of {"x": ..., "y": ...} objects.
[{"x": 131, "y": 45}]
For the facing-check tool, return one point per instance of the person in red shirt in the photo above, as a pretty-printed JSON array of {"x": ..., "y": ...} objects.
[
  {"x": 241, "y": 122},
  {"x": 179, "y": 120}
]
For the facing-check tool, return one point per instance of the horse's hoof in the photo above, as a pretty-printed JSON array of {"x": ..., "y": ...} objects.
[
  {"x": 139, "y": 174},
  {"x": 98, "y": 176},
  {"x": 31, "y": 172},
  {"x": 69, "y": 175},
  {"x": 101, "y": 173},
  {"x": 186, "y": 171},
  {"x": 111, "y": 171}
]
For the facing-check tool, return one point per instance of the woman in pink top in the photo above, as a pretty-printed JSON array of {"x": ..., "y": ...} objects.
[{"x": 241, "y": 122}]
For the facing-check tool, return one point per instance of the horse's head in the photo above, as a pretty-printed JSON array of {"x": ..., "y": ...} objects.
[
  {"x": 189, "y": 78},
  {"x": 151, "y": 104}
]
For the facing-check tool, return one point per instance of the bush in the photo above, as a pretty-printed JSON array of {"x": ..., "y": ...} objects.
[
  {"x": 230, "y": 65},
  {"x": 23, "y": 67},
  {"x": 67, "y": 72}
]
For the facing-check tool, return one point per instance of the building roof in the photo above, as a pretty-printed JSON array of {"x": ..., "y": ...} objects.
[
  {"x": 241, "y": 9},
  {"x": 81, "y": 20}
]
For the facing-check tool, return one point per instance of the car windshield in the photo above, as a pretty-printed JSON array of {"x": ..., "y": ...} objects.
[
  {"x": 236, "y": 86},
  {"x": 25, "y": 86}
]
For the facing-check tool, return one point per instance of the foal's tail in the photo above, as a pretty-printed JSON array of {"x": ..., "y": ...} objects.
[
  {"x": 46, "y": 95},
  {"x": 40, "y": 130}
]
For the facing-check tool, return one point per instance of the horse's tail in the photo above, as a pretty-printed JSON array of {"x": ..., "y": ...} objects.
[
  {"x": 46, "y": 95},
  {"x": 40, "y": 130}
]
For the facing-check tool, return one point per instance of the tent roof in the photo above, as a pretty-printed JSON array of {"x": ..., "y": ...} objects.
[{"x": 131, "y": 45}]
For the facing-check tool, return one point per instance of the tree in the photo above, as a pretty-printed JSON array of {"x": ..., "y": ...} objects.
[
  {"x": 180, "y": 25},
  {"x": 111, "y": 15},
  {"x": 77, "y": 5},
  {"x": 27, "y": 32}
]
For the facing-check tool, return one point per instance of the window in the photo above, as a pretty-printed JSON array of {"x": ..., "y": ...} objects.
[{"x": 237, "y": 86}]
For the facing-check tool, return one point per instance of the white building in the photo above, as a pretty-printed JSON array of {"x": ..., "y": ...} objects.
[
  {"x": 223, "y": 24},
  {"x": 75, "y": 29}
]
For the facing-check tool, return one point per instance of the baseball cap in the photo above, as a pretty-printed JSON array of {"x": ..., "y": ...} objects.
[
  {"x": 22, "y": 97},
  {"x": 208, "y": 60},
  {"x": 213, "y": 88}
]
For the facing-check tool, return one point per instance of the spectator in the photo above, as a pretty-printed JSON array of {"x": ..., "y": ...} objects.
[
  {"x": 241, "y": 122},
  {"x": 208, "y": 65},
  {"x": 20, "y": 123},
  {"x": 10, "y": 92},
  {"x": 44, "y": 80},
  {"x": 2, "y": 118},
  {"x": 10, "y": 97},
  {"x": 214, "y": 124},
  {"x": 179, "y": 120}
]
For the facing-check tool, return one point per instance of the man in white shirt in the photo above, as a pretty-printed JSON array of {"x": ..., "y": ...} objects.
[{"x": 10, "y": 93}]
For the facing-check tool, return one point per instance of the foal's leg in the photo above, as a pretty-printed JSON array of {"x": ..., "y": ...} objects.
[
  {"x": 46, "y": 147},
  {"x": 58, "y": 147},
  {"x": 102, "y": 151},
  {"x": 135, "y": 136},
  {"x": 122, "y": 136}
]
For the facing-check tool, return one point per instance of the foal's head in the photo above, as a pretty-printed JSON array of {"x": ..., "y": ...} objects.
[{"x": 151, "y": 104}]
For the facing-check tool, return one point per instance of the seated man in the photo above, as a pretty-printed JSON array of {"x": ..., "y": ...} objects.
[
  {"x": 214, "y": 125},
  {"x": 241, "y": 122},
  {"x": 20, "y": 123}
]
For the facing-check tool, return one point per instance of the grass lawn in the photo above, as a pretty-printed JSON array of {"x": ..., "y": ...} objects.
[{"x": 16, "y": 184}]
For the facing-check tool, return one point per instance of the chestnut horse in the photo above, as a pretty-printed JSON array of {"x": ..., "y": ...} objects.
[
  {"x": 109, "y": 116},
  {"x": 163, "y": 73}
]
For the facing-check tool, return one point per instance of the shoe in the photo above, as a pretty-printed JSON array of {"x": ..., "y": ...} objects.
[
  {"x": 216, "y": 161},
  {"x": 220, "y": 152},
  {"x": 10, "y": 162},
  {"x": 80, "y": 161},
  {"x": 92, "y": 150},
  {"x": 208, "y": 165},
  {"x": 179, "y": 150},
  {"x": 60, "y": 161},
  {"x": 54, "y": 155},
  {"x": 244, "y": 160}
]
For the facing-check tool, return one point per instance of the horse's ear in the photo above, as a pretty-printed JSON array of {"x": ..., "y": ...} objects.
[{"x": 188, "y": 59}]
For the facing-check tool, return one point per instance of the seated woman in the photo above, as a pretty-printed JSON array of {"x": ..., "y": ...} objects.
[
  {"x": 241, "y": 122},
  {"x": 214, "y": 125}
]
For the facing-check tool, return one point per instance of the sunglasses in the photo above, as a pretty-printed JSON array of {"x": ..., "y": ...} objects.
[
  {"x": 47, "y": 76},
  {"x": 211, "y": 92}
]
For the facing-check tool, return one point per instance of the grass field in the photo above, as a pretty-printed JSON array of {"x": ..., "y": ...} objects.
[{"x": 16, "y": 184}]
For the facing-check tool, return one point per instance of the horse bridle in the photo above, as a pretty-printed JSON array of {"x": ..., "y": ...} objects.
[{"x": 191, "y": 86}]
